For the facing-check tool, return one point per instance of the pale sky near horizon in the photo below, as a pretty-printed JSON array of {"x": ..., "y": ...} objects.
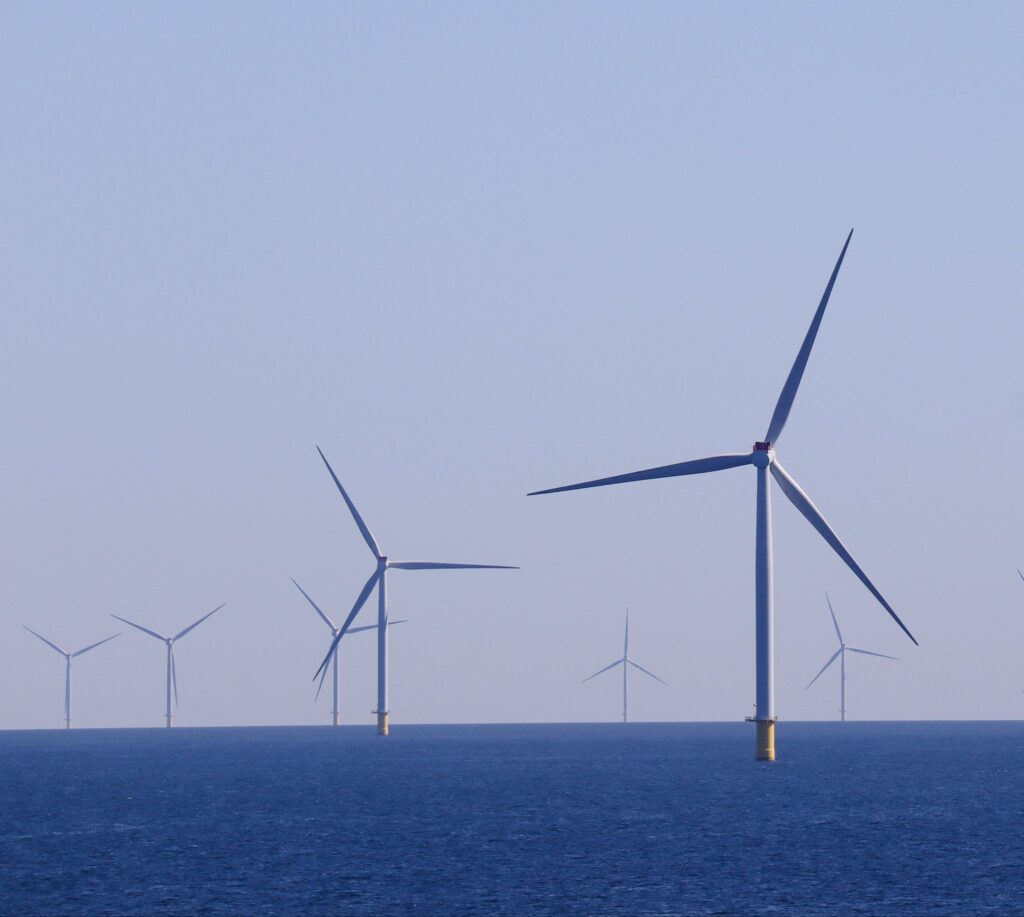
[{"x": 473, "y": 250}]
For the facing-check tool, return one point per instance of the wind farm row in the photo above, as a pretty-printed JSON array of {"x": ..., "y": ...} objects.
[{"x": 762, "y": 457}]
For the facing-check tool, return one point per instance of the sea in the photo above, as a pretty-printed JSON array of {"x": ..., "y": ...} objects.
[{"x": 580, "y": 819}]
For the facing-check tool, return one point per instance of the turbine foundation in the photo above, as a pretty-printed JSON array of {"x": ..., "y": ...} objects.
[
  {"x": 383, "y": 723},
  {"x": 765, "y": 740}
]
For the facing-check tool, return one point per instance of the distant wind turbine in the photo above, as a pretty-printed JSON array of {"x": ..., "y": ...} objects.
[
  {"x": 763, "y": 459},
  {"x": 378, "y": 580},
  {"x": 172, "y": 675},
  {"x": 625, "y": 662},
  {"x": 335, "y": 714},
  {"x": 67, "y": 667},
  {"x": 840, "y": 654}
]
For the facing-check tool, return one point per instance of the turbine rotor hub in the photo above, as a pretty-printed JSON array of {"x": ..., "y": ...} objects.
[{"x": 763, "y": 455}]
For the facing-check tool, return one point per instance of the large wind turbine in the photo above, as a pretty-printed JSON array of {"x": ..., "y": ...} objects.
[
  {"x": 335, "y": 714},
  {"x": 625, "y": 662},
  {"x": 763, "y": 459},
  {"x": 172, "y": 675},
  {"x": 378, "y": 580},
  {"x": 840, "y": 654},
  {"x": 67, "y": 667}
]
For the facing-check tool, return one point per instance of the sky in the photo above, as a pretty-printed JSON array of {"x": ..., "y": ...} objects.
[{"x": 474, "y": 250}]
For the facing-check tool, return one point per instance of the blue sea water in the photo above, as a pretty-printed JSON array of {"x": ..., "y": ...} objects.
[{"x": 856, "y": 818}]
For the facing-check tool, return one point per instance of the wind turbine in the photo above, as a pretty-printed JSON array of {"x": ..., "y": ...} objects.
[
  {"x": 625, "y": 662},
  {"x": 334, "y": 633},
  {"x": 172, "y": 675},
  {"x": 840, "y": 654},
  {"x": 764, "y": 460},
  {"x": 378, "y": 580},
  {"x": 67, "y": 667}
]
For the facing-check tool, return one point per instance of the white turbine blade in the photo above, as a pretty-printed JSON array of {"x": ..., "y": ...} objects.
[
  {"x": 839, "y": 633},
  {"x": 195, "y": 624},
  {"x": 811, "y": 513},
  {"x": 637, "y": 665},
  {"x": 364, "y": 531},
  {"x": 356, "y": 630},
  {"x": 363, "y": 596},
  {"x": 174, "y": 678},
  {"x": 605, "y": 669},
  {"x": 789, "y": 390},
  {"x": 145, "y": 630},
  {"x": 625, "y": 644},
  {"x": 319, "y": 688},
  {"x": 316, "y": 607},
  {"x": 93, "y": 646},
  {"x": 832, "y": 659},
  {"x": 697, "y": 466},
  {"x": 47, "y": 642},
  {"x": 362, "y": 627},
  {"x": 1021, "y": 575},
  {"x": 430, "y": 565},
  {"x": 869, "y": 653}
]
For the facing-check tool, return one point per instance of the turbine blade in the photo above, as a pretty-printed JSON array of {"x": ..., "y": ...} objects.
[
  {"x": 697, "y": 466},
  {"x": 194, "y": 625},
  {"x": 869, "y": 653},
  {"x": 637, "y": 665},
  {"x": 47, "y": 642},
  {"x": 174, "y": 677},
  {"x": 789, "y": 390},
  {"x": 319, "y": 687},
  {"x": 93, "y": 646},
  {"x": 811, "y": 513},
  {"x": 364, "y": 531},
  {"x": 832, "y": 659},
  {"x": 316, "y": 607},
  {"x": 145, "y": 630},
  {"x": 625, "y": 644},
  {"x": 430, "y": 565},
  {"x": 1021, "y": 575},
  {"x": 356, "y": 630},
  {"x": 605, "y": 669},
  {"x": 839, "y": 633},
  {"x": 363, "y": 596}
]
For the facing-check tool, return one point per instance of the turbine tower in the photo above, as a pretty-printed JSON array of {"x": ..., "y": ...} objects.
[
  {"x": 625, "y": 662},
  {"x": 840, "y": 654},
  {"x": 378, "y": 580},
  {"x": 67, "y": 667},
  {"x": 172, "y": 675},
  {"x": 764, "y": 461},
  {"x": 335, "y": 714}
]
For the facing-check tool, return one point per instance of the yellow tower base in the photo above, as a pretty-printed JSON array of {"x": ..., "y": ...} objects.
[
  {"x": 384, "y": 726},
  {"x": 765, "y": 740}
]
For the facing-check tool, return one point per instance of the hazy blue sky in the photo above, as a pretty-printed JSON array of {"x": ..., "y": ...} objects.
[{"x": 474, "y": 250}]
